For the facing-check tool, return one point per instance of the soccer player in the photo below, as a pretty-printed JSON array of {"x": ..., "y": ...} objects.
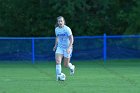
[{"x": 63, "y": 46}]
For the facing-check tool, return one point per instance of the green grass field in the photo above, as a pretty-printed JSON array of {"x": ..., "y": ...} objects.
[{"x": 118, "y": 76}]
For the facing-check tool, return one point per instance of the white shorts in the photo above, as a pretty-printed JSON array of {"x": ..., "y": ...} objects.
[{"x": 64, "y": 52}]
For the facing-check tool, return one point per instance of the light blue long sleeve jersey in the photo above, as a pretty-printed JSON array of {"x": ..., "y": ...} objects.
[{"x": 63, "y": 36}]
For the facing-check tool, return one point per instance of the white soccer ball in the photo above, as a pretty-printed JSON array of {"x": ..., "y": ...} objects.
[{"x": 62, "y": 77}]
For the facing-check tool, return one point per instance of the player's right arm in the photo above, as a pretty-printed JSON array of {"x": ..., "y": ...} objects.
[{"x": 56, "y": 43}]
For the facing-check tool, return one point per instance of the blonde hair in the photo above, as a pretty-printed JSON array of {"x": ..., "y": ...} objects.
[{"x": 59, "y": 17}]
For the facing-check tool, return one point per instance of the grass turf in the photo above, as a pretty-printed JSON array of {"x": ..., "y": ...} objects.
[{"x": 117, "y": 76}]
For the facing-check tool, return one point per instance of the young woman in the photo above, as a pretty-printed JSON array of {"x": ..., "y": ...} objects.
[{"x": 63, "y": 46}]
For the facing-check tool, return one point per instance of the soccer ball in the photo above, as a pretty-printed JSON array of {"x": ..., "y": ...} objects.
[{"x": 61, "y": 77}]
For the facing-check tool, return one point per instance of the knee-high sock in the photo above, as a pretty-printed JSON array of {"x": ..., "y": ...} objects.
[
  {"x": 58, "y": 69},
  {"x": 70, "y": 65}
]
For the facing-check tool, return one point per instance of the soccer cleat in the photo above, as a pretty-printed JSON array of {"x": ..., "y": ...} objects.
[
  {"x": 58, "y": 77},
  {"x": 72, "y": 70},
  {"x": 61, "y": 77}
]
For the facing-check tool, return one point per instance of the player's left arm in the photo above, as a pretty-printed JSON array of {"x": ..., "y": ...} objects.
[{"x": 71, "y": 43}]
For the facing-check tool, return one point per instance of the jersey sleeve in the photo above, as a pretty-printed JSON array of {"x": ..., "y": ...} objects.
[
  {"x": 69, "y": 31},
  {"x": 55, "y": 31}
]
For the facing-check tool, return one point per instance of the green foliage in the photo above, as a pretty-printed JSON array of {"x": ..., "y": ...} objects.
[
  {"x": 134, "y": 21},
  {"x": 84, "y": 17}
]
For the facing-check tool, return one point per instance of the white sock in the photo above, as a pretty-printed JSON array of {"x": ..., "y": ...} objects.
[
  {"x": 58, "y": 69},
  {"x": 70, "y": 65}
]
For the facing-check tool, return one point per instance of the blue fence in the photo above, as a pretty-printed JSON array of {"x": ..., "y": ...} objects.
[{"x": 85, "y": 48}]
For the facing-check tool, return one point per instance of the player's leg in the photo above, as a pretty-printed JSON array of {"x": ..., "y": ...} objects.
[
  {"x": 58, "y": 58},
  {"x": 67, "y": 62}
]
